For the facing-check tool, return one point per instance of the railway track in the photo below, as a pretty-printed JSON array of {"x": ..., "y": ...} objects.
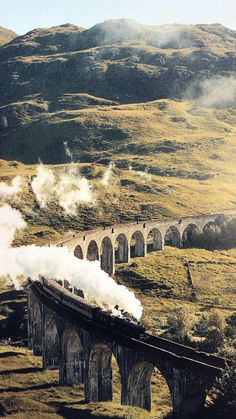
[{"x": 92, "y": 316}]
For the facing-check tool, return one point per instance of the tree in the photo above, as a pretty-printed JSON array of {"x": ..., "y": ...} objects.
[
  {"x": 202, "y": 326},
  {"x": 210, "y": 326},
  {"x": 224, "y": 394},
  {"x": 179, "y": 325},
  {"x": 214, "y": 339},
  {"x": 230, "y": 330}
]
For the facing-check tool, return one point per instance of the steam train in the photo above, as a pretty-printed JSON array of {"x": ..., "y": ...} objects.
[{"x": 125, "y": 325}]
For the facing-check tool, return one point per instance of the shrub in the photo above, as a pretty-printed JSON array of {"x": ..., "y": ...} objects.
[
  {"x": 224, "y": 394},
  {"x": 210, "y": 326},
  {"x": 179, "y": 325}
]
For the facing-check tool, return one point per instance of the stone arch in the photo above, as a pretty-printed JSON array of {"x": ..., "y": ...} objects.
[
  {"x": 190, "y": 234},
  {"x": 222, "y": 220},
  {"x": 211, "y": 232},
  {"x": 139, "y": 391},
  {"x": 51, "y": 342},
  {"x": 107, "y": 256},
  {"x": 72, "y": 358},
  {"x": 154, "y": 240},
  {"x": 99, "y": 378},
  {"x": 37, "y": 329},
  {"x": 172, "y": 237},
  {"x": 78, "y": 252},
  {"x": 211, "y": 225},
  {"x": 92, "y": 251},
  {"x": 121, "y": 249},
  {"x": 137, "y": 245}
]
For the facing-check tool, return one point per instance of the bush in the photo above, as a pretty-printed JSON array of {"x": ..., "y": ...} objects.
[
  {"x": 179, "y": 325},
  {"x": 210, "y": 326},
  {"x": 230, "y": 330},
  {"x": 5, "y": 310},
  {"x": 224, "y": 394},
  {"x": 214, "y": 340}
]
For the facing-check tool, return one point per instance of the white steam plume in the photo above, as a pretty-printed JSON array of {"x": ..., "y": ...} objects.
[
  {"x": 116, "y": 30},
  {"x": 173, "y": 36},
  {"x": 143, "y": 175},
  {"x": 8, "y": 191},
  {"x": 10, "y": 221},
  {"x": 107, "y": 176},
  {"x": 43, "y": 185},
  {"x": 69, "y": 189},
  {"x": 73, "y": 190},
  {"x": 59, "y": 263},
  {"x": 122, "y": 30},
  {"x": 214, "y": 92},
  {"x": 219, "y": 92},
  {"x": 68, "y": 151}
]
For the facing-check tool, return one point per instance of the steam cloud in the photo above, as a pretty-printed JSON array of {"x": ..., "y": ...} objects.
[
  {"x": 8, "y": 191},
  {"x": 73, "y": 190},
  {"x": 214, "y": 92},
  {"x": 219, "y": 92},
  {"x": 68, "y": 152},
  {"x": 143, "y": 175},
  {"x": 70, "y": 189},
  {"x": 125, "y": 30},
  {"x": 117, "y": 30},
  {"x": 107, "y": 176},
  {"x": 54, "y": 262},
  {"x": 173, "y": 36},
  {"x": 43, "y": 185},
  {"x": 10, "y": 221}
]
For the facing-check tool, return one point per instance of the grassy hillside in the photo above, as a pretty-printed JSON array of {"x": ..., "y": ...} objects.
[
  {"x": 131, "y": 195},
  {"x": 162, "y": 283},
  {"x": 70, "y": 84},
  {"x": 6, "y": 35},
  {"x": 156, "y": 134}
]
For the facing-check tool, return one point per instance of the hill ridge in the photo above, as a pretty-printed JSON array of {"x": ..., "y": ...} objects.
[
  {"x": 6, "y": 35},
  {"x": 52, "y": 80}
]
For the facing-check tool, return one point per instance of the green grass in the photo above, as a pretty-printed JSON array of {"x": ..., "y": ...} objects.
[{"x": 214, "y": 284}]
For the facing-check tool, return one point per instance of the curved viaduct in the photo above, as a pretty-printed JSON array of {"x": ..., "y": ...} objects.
[
  {"x": 82, "y": 348},
  {"x": 119, "y": 243}
]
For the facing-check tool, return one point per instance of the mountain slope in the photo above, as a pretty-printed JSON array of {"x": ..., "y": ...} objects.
[
  {"x": 70, "y": 84},
  {"x": 6, "y": 35}
]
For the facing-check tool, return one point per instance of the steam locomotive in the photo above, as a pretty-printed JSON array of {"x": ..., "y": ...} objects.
[{"x": 126, "y": 325}]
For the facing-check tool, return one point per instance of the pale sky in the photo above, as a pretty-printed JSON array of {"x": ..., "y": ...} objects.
[{"x": 25, "y": 15}]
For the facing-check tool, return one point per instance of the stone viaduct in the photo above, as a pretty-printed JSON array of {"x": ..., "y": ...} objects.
[
  {"x": 69, "y": 339},
  {"x": 119, "y": 243}
]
